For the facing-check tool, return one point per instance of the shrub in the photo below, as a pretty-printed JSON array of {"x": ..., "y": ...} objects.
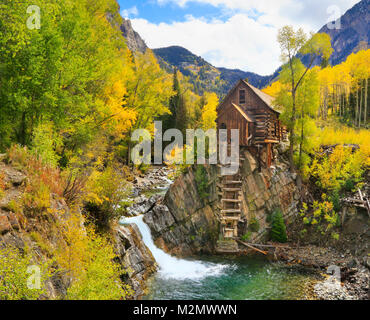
[
  {"x": 15, "y": 206},
  {"x": 343, "y": 167},
  {"x": 254, "y": 225},
  {"x": 201, "y": 179},
  {"x": 74, "y": 186},
  {"x": 322, "y": 214},
  {"x": 36, "y": 198},
  {"x": 349, "y": 185},
  {"x": 278, "y": 228},
  {"x": 44, "y": 143},
  {"x": 36, "y": 171},
  {"x": 89, "y": 260},
  {"x": 335, "y": 236},
  {"x": 335, "y": 200},
  {"x": 15, "y": 276},
  {"x": 106, "y": 192},
  {"x": 247, "y": 236}
]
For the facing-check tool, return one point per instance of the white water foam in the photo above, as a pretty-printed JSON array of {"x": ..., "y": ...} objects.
[{"x": 172, "y": 267}]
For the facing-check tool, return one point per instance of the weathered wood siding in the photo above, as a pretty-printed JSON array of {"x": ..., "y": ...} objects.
[
  {"x": 265, "y": 126},
  {"x": 233, "y": 120}
]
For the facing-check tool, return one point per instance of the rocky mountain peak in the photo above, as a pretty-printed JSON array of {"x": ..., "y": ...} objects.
[{"x": 355, "y": 28}]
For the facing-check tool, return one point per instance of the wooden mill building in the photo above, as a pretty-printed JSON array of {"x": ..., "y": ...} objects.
[{"x": 251, "y": 111}]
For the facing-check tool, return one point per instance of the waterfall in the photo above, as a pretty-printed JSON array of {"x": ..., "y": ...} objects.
[{"x": 172, "y": 267}]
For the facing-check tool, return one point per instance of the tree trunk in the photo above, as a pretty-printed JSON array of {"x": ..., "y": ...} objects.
[
  {"x": 22, "y": 139},
  {"x": 291, "y": 137},
  {"x": 365, "y": 112},
  {"x": 301, "y": 144},
  {"x": 129, "y": 149},
  {"x": 326, "y": 104},
  {"x": 356, "y": 114},
  {"x": 360, "y": 111}
]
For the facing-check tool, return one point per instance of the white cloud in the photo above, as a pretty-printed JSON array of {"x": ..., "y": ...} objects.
[
  {"x": 223, "y": 44},
  {"x": 129, "y": 13},
  {"x": 242, "y": 41},
  {"x": 311, "y": 14}
]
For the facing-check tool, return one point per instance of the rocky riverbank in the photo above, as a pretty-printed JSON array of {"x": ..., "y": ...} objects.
[
  {"x": 344, "y": 276},
  {"x": 135, "y": 256}
]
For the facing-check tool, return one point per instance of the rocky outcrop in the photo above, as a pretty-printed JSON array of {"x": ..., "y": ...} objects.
[
  {"x": 264, "y": 191},
  {"x": 31, "y": 234},
  {"x": 186, "y": 224},
  {"x": 135, "y": 256},
  {"x": 133, "y": 40}
]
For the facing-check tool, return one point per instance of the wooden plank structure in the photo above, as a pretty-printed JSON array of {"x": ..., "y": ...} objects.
[
  {"x": 360, "y": 202},
  {"x": 251, "y": 111}
]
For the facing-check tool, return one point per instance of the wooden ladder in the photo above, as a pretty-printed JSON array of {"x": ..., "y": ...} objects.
[{"x": 230, "y": 203}]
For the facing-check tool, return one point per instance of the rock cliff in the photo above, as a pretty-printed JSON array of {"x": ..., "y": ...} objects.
[
  {"x": 186, "y": 224},
  {"x": 133, "y": 40},
  {"x": 133, "y": 253}
]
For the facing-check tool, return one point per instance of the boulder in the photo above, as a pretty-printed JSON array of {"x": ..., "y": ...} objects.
[{"x": 4, "y": 224}]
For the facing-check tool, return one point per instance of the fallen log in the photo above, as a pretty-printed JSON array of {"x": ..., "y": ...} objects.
[
  {"x": 251, "y": 247},
  {"x": 270, "y": 246}
]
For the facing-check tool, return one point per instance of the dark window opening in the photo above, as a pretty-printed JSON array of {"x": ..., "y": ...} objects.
[
  {"x": 242, "y": 96},
  {"x": 223, "y": 126}
]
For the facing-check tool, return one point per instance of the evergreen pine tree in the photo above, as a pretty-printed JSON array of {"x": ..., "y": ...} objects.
[
  {"x": 278, "y": 228},
  {"x": 178, "y": 118}
]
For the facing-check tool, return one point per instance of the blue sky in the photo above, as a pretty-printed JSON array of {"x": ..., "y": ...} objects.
[
  {"x": 229, "y": 33},
  {"x": 157, "y": 13}
]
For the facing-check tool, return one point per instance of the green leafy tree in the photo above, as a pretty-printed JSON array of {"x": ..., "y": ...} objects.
[
  {"x": 293, "y": 43},
  {"x": 307, "y": 105}
]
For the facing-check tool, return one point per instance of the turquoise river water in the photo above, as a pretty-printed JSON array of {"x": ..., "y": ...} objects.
[{"x": 222, "y": 278}]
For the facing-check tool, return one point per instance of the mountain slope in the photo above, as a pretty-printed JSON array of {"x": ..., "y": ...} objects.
[
  {"x": 202, "y": 74},
  {"x": 231, "y": 76},
  {"x": 355, "y": 28}
]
